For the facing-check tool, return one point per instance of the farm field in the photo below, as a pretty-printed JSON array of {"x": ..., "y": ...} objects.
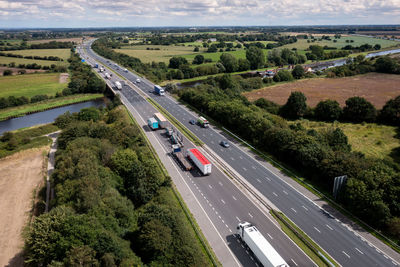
[
  {"x": 61, "y": 53},
  {"x": 377, "y": 88},
  {"x": 302, "y": 44},
  {"x": 20, "y": 175},
  {"x": 8, "y": 60},
  {"x": 162, "y": 55},
  {"x": 239, "y": 53},
  {"x": 377, "y": 141},
  {"x": 76, "y": 40},
  {"x": 31, "y": 84}
]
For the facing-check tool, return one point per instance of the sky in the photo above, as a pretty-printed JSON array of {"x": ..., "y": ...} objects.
[{"x": 142, "y": 13}]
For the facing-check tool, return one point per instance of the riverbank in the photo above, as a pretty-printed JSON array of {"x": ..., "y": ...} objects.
[{"x": 19, "y": 111}]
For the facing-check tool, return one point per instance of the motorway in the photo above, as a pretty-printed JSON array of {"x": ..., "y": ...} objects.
[
  {"x": 225, "y": 204},
  {"x": 343, "y": 244}
]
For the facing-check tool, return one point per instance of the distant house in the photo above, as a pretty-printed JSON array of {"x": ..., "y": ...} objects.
[{"x": 212, "y": 39}]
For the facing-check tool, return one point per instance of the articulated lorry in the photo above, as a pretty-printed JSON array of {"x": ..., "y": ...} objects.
[
  {"x": 107, "y": 76},
  {"x": 159, "y": 90},
  {"x": 261, "y": 248},
  {"x": 177, "y": 152},
  {"x": 162, "y": 121},
  {"x": 118, "y": 85},
  {"x": 199, "y": 160},
  {"x": 203, "y": 122}
]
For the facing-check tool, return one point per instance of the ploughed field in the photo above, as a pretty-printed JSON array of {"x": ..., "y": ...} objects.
[{"x": 377, "y": 88}]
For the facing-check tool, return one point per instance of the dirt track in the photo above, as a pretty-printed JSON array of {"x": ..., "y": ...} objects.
[
  {"x": 377, "y": 88},
  {"x": 20, "y": 174}
]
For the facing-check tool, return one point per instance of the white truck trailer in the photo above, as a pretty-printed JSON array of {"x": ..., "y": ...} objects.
[
  {"x": 107, "y": 76},
  {"x": 162, "y": 121},
  {"x": 118, "y": 85},
  {"x": 199, "y": 160},
  {"x": 261, "y": 248}
]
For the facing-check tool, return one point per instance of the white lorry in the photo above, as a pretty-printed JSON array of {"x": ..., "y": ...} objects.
[
  {"x": 118, "y": 85},
  {"x": 261, "y": 248},
  {"x": 162, "y": 121},
  {"x": 199, "y": 160},
  {"x": 107, "y": 76}
]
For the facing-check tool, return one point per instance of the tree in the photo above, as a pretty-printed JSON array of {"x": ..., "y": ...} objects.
[
  {"x": 328, "y": 110},
  {"x": 255, "y": 56},
  {"x": 283, "y": 75},
  {"x": 298, "y": 72},
  {"x": 196, "y": 49},
  {"x": 155, "y": 239},
  {"x": 358, "y": 109},
  {"x": 230, "y": 62},
  {"x": 390, "y": 112},
  {"x": 212, "y": 49},
  {"x": 387, "y": 65},
  {"x": 7, "y": 72},
  {"x": 198, "y": 59},
  {"x": 243, "y": 64},
  {"x": 269, "y": 106},
  {"x": 176, "y": 62},
  {"x": 295, "y": 106},
  {"x": 225, "y": 81},
  {"x": 89, "y": 114},
  {"x": 317, "y": 50}
]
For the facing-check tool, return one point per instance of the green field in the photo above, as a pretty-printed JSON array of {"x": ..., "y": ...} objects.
[
  {"x": 31, "y": 84},
  {"x": 7, "y": 60},
  {"x": 239, "y": 53},
  {"x": 47, "y": 104},
  {"x": 374, "y": 140},
  {"x": 61, "y": 53},
  {"x": 302, "y": 44},
  {"x": 162, "y": 55}
]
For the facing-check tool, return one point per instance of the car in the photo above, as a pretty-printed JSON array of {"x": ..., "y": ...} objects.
[
  {"x": 138, "y": 80},
  {"x": 192, "y": 122},
  {"x": 126, "y": 70},
  {"x": 224, "y": 143}
]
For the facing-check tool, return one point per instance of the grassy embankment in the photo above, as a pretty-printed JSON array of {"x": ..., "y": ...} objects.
[
  {"x": 373, "y": 140},
  {"x": 26, "y": 138},
  {"x": 45, "y": 105}
]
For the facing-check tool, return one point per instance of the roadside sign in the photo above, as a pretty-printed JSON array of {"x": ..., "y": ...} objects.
[{"x": 83, "y": 60}]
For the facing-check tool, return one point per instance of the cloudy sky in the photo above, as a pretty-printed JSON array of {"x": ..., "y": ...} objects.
[{"x": 100, "y": 13}]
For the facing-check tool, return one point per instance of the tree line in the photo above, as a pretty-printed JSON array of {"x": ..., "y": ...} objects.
[
  {"x": 372, "y": 191},
  {"x": 49, "y": 45},
  {"x": 35, "y": 66},
  {"x": 113, "y": 206},
  {"x": 51, "y": 58}
]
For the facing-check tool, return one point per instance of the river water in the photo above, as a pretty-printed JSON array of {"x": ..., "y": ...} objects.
[{"x": 44, "y": 117}]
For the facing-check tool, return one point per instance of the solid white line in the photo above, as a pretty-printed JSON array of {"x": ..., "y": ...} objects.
[
  {"x": 317, "y": 229},
  {"x": 294, "y": 262},
  {"x": 359, "y": 251},
  {"x": 346, "y": 254}
]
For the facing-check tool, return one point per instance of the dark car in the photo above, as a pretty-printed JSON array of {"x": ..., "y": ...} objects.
[
  {"x": 224, "y": 143},
  {"x": 192, "y": 122}
]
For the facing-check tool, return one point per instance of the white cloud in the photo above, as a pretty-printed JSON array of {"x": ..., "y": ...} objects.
[{"x": 205, "y": 12}]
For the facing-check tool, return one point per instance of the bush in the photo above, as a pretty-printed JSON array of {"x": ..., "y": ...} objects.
[
  {"x": 283, "y": 76},
  {"x": 358, "y": 109},
  {"x": 7, "y": 72},
  {"x": 328, "y": 110},
  {"x": 390, "y": 112},
  {"x": 298, "y": 72},
  {"x": 295, "y": 106}
]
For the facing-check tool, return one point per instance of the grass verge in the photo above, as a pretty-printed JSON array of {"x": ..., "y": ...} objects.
[
  {"x": 45, "y": 105},
  {"x": 303, "y": 241},
  {"x": 26, "y": 138},
  {"x": 177, "y": 124},
  {"x": 199, "y": 235}
]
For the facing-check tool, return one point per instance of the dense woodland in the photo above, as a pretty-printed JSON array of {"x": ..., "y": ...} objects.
[
  {"x": 113, "y": 204},
  {"x": 372, "y": 191}
]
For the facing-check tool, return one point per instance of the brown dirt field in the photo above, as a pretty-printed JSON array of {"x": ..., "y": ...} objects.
[
  {"x": 64, "y": 77},
  {"x": 20, "y": 174},
  {"x": 377, "y": 88}
]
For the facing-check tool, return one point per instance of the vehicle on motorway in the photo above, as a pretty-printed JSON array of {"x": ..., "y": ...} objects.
[
  {"x": 162, "y": 121},
  {"x": 168, "y": 131},
  {"x": 199, "y": 160},
  {"x": 107, "y": 76},
  {"x": 203, "y": 122},
  {"x": 260, "y": 247},
  {"x": 118, "y": 85},
  {"x": 224, "y": 143},
  {"x": 177, "y": 152},
  {"x": 153, "y": 123},
  {"x": 192, "y": 122},
  {"x": 126, "y": 70},
  {"x": 159, "y": 90},
  {"x": 137, "y": 80},
  {"x": 96, "y": 65}
]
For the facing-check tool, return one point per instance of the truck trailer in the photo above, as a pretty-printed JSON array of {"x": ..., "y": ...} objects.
[
  {"x": 261, "y": 248},
  {"x": 159, "y": 90},
  {"x": 203, "y": 122},
  {"x": 153, "y": 123},
  {"x": 162, "y": 121},
  {"x": 118, "y": 85},
  {"x": 199, "y": 160},
  {"x": 107, "y": 76},
  {"x": 177, "y": 152}
]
